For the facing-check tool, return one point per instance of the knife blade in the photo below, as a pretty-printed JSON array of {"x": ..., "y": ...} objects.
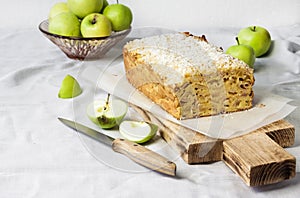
[{"x": 134, "y": 151}]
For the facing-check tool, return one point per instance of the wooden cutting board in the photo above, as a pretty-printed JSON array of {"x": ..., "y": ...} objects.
[{"x": 258, "y": 157}]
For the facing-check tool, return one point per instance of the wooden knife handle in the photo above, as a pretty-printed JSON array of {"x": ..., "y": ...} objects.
[{"x": 144, "y": 156}]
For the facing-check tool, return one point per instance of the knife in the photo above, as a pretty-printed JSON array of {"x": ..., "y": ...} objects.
[{"x": 134, "y": 151}]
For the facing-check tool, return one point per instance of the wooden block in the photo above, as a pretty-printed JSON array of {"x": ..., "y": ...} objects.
[
  {"x": 258, "y": 157},
  {"x": 258, "y": 160}
]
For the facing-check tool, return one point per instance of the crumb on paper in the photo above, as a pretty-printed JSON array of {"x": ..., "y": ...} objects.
[{"x": 260, "y": 105}]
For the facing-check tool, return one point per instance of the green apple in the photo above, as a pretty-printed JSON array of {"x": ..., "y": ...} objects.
[
  {"x": 95, "y": 25},
  {"x": 105, "y": 4},
  {"x": 58, "y": 8},
  {"x": 242, "y": 52},
  {"x": 257, "y": 37},
  {"x": 107, "y": 114},
  {"x": 136, "y": 131},
  {"x": 82, "y": 8},
  {"x": 69, "y": 88},
  {"x": 119, "y": 15},
  {"x": 64, "y": 24}
]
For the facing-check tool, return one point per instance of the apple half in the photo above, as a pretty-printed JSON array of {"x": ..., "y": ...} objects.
[
  {"x": 107, "y": 114},
  {"x": 137, "y": 131}
]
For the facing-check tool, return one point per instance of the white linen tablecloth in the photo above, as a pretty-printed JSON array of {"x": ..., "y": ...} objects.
[{"x": 40, "y": 157}]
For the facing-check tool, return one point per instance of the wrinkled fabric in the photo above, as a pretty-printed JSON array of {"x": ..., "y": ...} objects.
[{"x": 40, "y": 157}]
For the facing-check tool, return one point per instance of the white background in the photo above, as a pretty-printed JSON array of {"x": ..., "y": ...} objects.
[
  {"x": 186, "y": 15},
  {"x": 41, "y": 158}
]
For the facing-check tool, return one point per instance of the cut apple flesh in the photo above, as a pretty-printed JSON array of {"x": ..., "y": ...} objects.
[
  {"x": 107, "y": 115},
  {"x": 136, "y": 131}
]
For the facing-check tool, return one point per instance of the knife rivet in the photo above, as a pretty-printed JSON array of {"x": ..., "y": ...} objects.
[{"x": 135, "y": 145}]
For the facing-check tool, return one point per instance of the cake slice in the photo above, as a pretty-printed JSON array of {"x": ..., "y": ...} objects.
[{"x": 187, "y": 76}]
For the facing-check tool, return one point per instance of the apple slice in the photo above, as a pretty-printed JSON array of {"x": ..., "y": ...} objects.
[
  {"x": 107, "y": 114},
  {"x": 69, "y": 88},
  {"x": 137, "y": 131}
]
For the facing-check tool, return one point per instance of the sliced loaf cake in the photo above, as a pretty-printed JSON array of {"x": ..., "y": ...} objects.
[{"x": 187, "y": 76}]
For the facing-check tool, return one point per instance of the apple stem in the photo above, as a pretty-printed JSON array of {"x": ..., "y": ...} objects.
[
  {"x": 94, "y": 21},
  {"x": 107, "y": 101},
  {"x": 237, "y": 40},
  {"x": 254, "y": 28},
  {"x": 117, "y": 1}
]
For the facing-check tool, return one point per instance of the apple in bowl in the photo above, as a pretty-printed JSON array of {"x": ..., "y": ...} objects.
[
  {"x": 64, "y": 24},
  {"x": 119, "y": 15},
  {"x": 95, "y": 25},
  {"x": 58, "y": 8},
  {"x": 82, "y": 8},
  {"x": 82, "y": 36}
]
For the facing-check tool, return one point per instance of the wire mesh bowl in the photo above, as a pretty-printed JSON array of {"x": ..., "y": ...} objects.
[{"x": 83, "y": 48}]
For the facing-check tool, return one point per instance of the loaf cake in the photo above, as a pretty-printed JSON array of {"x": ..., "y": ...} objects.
[{"x": 188, "y": 76}]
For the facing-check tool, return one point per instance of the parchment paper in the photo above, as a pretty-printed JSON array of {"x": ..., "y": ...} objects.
[{"x": 267, "y": 107}]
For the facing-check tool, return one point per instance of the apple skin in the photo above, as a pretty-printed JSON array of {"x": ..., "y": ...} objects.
[
  {"x": 257, "y": 37},
  {"x": 69, "y": 88},
  {"x": 58, "y": 8},
  {"x": 242, "y": 52},
  {"x": 64, "y": 24},
  {"x": 119, "y": 15},
  {"x": 95, "y": 25},
  {"x": 82, "y": 8}
]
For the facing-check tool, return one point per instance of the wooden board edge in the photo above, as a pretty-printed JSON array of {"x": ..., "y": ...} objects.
[
  {"x": 282, "y": 132},
  {"x": 258, "y": 160}
]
